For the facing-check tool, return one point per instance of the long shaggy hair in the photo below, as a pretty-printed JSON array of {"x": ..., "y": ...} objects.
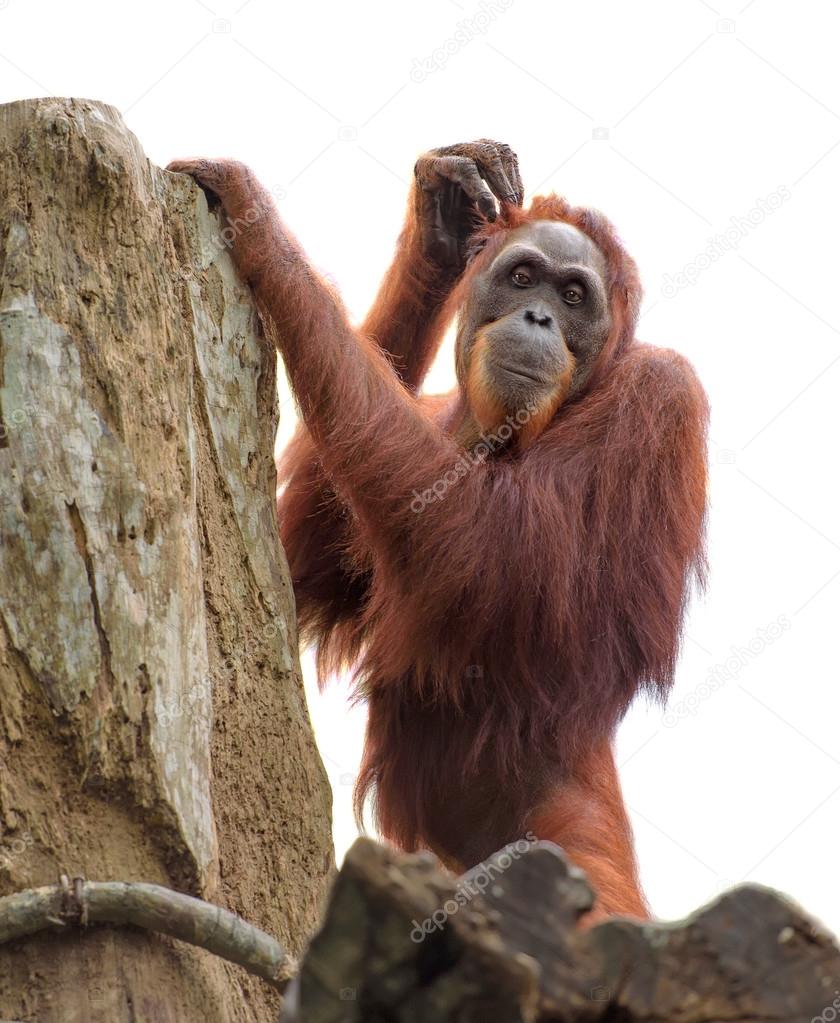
[{"x": 501, "y": 636}]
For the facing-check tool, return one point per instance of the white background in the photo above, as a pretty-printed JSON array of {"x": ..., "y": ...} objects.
[{"x": 674, "y": 118}]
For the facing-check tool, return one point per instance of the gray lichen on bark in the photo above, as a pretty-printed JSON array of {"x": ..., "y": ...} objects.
[{"x": 147, "y": 643}]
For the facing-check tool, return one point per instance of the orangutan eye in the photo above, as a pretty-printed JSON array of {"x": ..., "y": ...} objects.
[
  {"x": 522, "y": 277},
  {"x": 573, "y": 294}
]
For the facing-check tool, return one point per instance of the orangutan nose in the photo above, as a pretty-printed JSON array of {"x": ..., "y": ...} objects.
[{"x": 539, "y": 316}]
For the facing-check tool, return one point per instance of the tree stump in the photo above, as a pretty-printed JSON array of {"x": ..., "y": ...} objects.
[
  {"x": 153, "y": 725},
  {"x": 403, "y": 942}
]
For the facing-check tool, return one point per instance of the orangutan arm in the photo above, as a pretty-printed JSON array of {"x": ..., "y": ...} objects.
[{"x": 407, "y": 321}]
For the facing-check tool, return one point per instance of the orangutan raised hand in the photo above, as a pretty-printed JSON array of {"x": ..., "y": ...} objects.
[{"x": 459, "y": 185}]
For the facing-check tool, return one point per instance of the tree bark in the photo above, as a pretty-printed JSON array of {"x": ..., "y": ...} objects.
[
  {"x": 153, "y": 726},
  {"x": 403, "y": 942}
]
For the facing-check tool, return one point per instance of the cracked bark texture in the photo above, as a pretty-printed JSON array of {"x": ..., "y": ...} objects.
[
  {"x": 405, "y": 943},
  {"x": 152, "y": 719}
]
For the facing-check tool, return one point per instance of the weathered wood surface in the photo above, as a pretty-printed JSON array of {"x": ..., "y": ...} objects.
[
  {"x": 152, "y": 720},
  {"x": 79, "y": 903},
  {"x": 402, "y": 942}
]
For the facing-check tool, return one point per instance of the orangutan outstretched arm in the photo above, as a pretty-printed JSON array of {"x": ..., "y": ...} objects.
[{"x": 452, "y": 186}]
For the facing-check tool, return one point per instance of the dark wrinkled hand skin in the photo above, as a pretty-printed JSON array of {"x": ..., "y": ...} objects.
[
  {"x": 458, "y": 187},
  {"x": 253, "y": 233},
  {"x": 221, "y": 177}
]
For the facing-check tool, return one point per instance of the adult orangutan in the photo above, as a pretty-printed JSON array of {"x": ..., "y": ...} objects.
[{"x": 505, "y": 566}]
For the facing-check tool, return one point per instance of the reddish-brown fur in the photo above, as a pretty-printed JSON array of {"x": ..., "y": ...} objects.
[
  {"x": 585, "y": 815},
  {"x": 536, "y": 598},
  {"x": 500, "y": 633}
]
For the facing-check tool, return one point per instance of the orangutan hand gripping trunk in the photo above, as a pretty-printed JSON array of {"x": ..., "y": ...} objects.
[{"x": 506, "y": 566}]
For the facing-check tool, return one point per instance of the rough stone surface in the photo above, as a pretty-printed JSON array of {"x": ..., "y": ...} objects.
[{"x": 152, "y": 719}]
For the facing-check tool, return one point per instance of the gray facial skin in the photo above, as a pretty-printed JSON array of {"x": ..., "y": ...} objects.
[{"x": 540, "y": 301}]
